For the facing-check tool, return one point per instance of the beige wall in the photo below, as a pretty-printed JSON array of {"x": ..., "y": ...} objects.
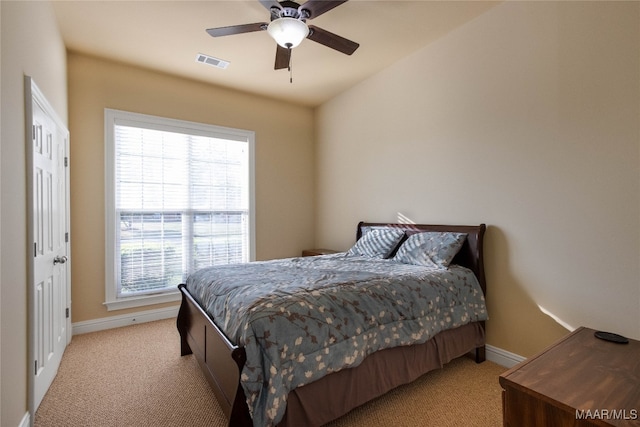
[
  {"x": 526, "y": 119},
  {"x": 31, "y": 45},
  {"x": 283, "y": 162}
]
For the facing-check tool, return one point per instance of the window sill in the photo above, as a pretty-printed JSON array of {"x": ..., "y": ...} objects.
[{"x": 140, "y": 301}]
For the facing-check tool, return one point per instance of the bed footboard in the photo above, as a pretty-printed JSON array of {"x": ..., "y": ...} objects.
[{"x": 220, "y": 360}]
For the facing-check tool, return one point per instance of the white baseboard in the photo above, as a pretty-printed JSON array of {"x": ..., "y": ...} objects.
[
  {"x": 502, "y": 357},
  {"x": 123, "y": 320},
  {"x": 26, "y": 420}
]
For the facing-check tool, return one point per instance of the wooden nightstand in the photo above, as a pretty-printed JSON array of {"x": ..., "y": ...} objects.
[
  {"x": 315, "y": 252},
  {"x": 579, "y": 381}
]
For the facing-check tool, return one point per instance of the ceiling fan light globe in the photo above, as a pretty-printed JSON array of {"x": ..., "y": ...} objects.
[{"x": 288, "y": 32}]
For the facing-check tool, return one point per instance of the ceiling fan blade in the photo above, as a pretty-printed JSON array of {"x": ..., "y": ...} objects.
[
  {"x": 318, "y": 7},
  {"x": 331, "y": 40},
  {"x": 236, "y": 29},
  {"x": 269, "y": 4},
  {"x": 283, "y": 57}
]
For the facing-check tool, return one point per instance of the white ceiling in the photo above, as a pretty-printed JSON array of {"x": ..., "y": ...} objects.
[{"x": 167, "y": 35}]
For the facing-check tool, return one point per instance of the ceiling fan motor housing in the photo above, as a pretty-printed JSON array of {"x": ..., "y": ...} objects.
[{"x": 289, "y": 9}]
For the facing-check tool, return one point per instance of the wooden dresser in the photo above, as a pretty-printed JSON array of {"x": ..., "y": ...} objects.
[{"x": 579, "y": 381}]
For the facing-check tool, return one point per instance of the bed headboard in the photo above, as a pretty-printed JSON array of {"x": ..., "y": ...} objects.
[{"x": 471, "y": 253}]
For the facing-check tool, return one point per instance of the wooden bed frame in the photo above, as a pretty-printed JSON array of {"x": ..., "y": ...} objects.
[{"x": 222, "y": 361}]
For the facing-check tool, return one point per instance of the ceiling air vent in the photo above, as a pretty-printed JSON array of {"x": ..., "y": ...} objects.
[{"x": 210, "y": 60}]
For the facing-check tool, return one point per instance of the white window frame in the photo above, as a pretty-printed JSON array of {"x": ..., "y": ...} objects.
[{"x": 113, "y": 117}]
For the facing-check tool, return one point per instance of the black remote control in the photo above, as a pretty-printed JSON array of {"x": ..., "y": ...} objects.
[{"x": 610, "y": 336}]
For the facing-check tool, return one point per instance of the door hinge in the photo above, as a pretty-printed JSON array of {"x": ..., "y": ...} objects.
[
  {"x": 36, "y": 368},
  {"x": 66, "y": 312},
  {"x": 66, "y": 162},
  {"x": 66, "y": 237},
  {"x": 35, "y": 249}
]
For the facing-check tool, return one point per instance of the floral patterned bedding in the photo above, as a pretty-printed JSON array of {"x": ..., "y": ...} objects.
[{"x": 302, "y": 318}]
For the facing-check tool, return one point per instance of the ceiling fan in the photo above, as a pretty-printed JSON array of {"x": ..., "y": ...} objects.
[{"x": 288, "y": 27}]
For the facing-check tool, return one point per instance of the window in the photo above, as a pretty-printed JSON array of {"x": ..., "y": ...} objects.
[{"x": 179, "y": 197}]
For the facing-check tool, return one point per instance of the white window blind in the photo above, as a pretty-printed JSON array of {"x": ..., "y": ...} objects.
[{"x": 182, "y": 201}]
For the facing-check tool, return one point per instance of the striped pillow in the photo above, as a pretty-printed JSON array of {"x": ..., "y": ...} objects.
[
  {"x": 431, "y": 249},
  {"x": 377, "y": 243}
]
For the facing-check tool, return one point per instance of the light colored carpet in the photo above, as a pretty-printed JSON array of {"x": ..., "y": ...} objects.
[{"x": 134, "y": 376}]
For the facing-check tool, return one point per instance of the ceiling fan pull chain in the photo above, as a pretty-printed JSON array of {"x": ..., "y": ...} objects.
[{"x": 290, "y": 67}]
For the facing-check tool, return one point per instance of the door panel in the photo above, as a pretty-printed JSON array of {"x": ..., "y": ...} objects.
[{"x": 49, "y": 269}]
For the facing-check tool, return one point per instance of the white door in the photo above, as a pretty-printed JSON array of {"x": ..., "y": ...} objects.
[{"x": 50, "y": 330}]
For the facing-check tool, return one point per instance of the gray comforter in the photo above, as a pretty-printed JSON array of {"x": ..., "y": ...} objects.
[{"x": 302, "y": 318}]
